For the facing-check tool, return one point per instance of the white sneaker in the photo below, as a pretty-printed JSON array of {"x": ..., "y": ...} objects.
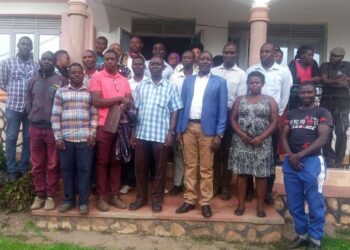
[
  {"x": 49, "y": 204},
  {"x": 166, "y": 191},
  {"x": 37, "y": 203},
  {"x": 125, "y": 189}
]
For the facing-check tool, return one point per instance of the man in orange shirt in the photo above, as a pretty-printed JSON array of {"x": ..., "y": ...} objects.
[{"x": 108, "y": 88}]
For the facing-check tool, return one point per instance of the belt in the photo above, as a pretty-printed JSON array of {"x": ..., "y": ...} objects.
[{"x": 195, "y": 120}]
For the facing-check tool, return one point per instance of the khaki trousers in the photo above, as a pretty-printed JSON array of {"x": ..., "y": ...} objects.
[{"x": 198, "y": 156}]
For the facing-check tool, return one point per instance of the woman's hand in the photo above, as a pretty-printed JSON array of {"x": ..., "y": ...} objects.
[{"x": 245, "y": 138}]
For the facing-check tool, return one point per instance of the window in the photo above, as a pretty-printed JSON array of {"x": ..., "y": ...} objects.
[
  {"x": 44, "y": 32},
  {"x": 5, "y": 46},
  {"x": 288, "y": 36}
]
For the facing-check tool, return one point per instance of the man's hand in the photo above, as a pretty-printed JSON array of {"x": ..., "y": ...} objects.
[
  {"x": 169, "y": 140},
  {"x": 256, "y": 141},
  {"x": 133, "y": 138},
  {"x": 294, "y": 161},
  {"x": 60, "y": 145},
  {"x": 91, "y": 141},
  {"x": 245, "y": 138},
  {"x": 342, "y": 81},
  {"x": 215, "y": 145}
]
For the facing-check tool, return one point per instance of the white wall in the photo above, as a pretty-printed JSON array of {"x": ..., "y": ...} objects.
[{"x": 39, "y": 8}]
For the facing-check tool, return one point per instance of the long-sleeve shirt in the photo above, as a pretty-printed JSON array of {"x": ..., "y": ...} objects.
[
  {"x": 277, "y": 84},
  {"x": 236, "y": 80},
  {"x": 74, "y": 117},
  {"x": 14, "y": 77}
]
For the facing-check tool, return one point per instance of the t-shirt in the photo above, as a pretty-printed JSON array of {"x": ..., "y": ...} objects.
[
  {"x": 304, "y": 127},
  {"x": 109, "y": 86}
]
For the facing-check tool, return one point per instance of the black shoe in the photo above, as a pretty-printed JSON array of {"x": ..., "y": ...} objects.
[
  {"x": 269, "y": 200},
  {"x": 176, "y": 190},
  {"x": 314, "y": 246},
  {"x": 137, "y": 205},
  {"x": 206, "y": 211},
  {"x": 225, "y": 194},
  {"x": 298, "y": 242},
  {"x": 156, "y": 207},
  {"x": 185, "y": 208}
]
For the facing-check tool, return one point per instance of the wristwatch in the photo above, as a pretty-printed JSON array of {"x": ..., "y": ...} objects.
[{"x": 171, "y": 131}]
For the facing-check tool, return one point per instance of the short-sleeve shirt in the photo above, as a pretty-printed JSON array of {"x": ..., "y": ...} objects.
[
  {"x": 304, "y": 127},
  {"x": 110, "y": 86},
  {"x": 155, "y": 103}
]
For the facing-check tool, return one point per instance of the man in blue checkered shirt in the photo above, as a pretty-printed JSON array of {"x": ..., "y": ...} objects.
[
  {"x": 15, "y": 73},
  {"x": 157, "y": 101}
]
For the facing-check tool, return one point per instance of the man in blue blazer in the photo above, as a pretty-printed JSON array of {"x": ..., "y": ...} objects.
[{"x": 200, "y": 128}]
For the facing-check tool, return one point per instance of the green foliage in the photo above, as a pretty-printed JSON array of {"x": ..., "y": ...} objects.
[
  {"x": 331, "y": 243},
  {"x": 14, "y": 244},
  {"x": 2, "y": 158},
  {"x": 17, "y": 196}
]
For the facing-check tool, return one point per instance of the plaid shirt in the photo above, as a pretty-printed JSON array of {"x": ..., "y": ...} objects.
[
  {"x": 14, "y": 77},
  {"x": 74, "y": 118},
  {"x": 155, "y": 102}
]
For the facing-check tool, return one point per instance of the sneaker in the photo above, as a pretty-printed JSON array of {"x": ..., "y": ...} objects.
[
  {"x": 166, "y": 191},
  {"x": 37, "y": 203},
  {"x": 117, "y": 202},
  {"x": 102, "y": 205},
  {"x": 49, "y": 204},
  {"x": 125, "y": 189},
  {"x": 84, "y": 209},
  {"x": 66, "y": 207}
]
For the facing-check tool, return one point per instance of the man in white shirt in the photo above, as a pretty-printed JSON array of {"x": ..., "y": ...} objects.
[
  {"x": 160, "y": 51},
  {"x": 277, "y": 85},
  {"x": 236, "y": 85},
  {"x": 178, "y": 79},
  {"x": 128, "y": 168}
]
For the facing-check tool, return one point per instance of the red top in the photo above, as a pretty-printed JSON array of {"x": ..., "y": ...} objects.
[
  {"x": 304, "y": 74},
  {"x": 109, "y": 86}
]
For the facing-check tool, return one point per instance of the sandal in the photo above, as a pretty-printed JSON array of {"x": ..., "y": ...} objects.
[
  {"x": 261, "y": 214},
  {"x": 239, "y": 211}
]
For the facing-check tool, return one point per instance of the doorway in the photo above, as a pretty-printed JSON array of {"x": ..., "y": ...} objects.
[{"x": 172, "y": 44}]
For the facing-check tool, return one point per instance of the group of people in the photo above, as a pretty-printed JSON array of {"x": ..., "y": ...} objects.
[{"x": 110, "y": 123}]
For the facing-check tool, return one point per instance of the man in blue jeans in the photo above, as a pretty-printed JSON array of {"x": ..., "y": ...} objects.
[
  {"x": 305, "y": 132},
  {"x": 15, "y": 73}
]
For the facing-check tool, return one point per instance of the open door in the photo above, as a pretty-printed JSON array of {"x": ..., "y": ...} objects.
[
  {"x": 125, "y": 38},
  {"x": 198, "y": 37}
]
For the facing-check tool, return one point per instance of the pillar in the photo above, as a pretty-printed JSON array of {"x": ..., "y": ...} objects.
[
  {"x": 259, "y": 18},
  {"x": 77, "y": 14}
]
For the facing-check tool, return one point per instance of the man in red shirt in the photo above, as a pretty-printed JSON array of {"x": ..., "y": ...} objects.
[{"x": 108, "y": 88}]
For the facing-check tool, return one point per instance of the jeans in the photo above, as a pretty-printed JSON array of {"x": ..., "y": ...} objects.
[
  {"x": 13, "y": 123},
  {"x": 76, "y": 164}
]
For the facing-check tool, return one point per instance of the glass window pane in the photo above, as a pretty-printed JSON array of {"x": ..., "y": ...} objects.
[
  {"x": 5, "y": 46},
  {"x": 31, "y": 36},
  {"x": 49, "y": 42}
]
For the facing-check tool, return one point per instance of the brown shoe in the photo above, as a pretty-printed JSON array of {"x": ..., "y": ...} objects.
[
  {"x": 102, "y": 205},
  {"x": 117, "y": 202}
]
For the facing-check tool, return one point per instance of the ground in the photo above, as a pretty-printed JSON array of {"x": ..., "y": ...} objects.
[{"x": 17, "y": 231}]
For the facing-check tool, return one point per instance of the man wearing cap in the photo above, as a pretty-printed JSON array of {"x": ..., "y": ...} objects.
[{"x": 335, "y": 97}]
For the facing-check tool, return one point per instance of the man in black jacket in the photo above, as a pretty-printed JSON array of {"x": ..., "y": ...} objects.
[{"x": 44, "y": 157}]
